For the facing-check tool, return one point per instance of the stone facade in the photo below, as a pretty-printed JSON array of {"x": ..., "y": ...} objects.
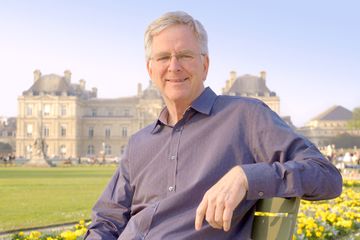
[
  {"x": 327, "y": 125},
  {"x": 74, "y": 122},
  {"x": 7, "y": 135}
]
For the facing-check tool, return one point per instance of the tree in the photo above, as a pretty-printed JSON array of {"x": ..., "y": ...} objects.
[
  {"x": 354, "y": 123},
  {"x": 345, "y": 140}
]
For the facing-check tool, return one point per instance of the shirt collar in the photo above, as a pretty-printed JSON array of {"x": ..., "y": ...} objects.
[
  {"x": 202, "y": 104},
  {"x": 205, "y": 101}
]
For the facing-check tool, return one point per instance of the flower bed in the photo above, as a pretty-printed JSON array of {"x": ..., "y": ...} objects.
[
  {"x": 329, "y": 219},
  {"x": 76, "y": 233}
]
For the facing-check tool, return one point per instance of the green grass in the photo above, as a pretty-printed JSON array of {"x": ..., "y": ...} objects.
[{"x": 34, "y": 197}]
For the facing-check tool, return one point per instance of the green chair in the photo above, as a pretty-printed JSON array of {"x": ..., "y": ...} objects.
[{"x": 275, "y": 218}]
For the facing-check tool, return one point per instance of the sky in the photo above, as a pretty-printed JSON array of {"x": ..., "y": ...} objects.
[{"x": 310, "y": 50}]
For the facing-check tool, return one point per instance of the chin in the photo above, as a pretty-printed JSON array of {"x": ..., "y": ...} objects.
[{"x": 178, "y": 97}]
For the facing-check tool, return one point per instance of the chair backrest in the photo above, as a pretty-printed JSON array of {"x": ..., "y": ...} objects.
[{"x": 275, "y": 218}]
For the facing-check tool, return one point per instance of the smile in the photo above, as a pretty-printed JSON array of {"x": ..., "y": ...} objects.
[{"x": 176, "y": 80}]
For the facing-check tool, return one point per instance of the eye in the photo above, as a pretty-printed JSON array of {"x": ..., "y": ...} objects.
[
  {"x": 185, "y": 57},
  {"x": 164, "y": 58}
]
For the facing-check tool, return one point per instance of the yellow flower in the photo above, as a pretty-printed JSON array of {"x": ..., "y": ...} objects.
[
  {"x": 80, "y": 232},
  {"x": 68, "y": 235},
  {"x": 35, "y": 235}
]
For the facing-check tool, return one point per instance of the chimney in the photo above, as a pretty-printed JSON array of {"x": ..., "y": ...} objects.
[
  {"x": 263, "y": 75},
  {"x": 37, "y": 75},
  {"x": 82, "y": 84},
  {"x": 67, "y": 75},
  {"x": 139, "y": 89},
  {"x": 232, "y": 78}
]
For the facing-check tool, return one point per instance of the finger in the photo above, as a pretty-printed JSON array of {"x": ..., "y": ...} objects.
[
  {"x": 219, "y": 211},
  {"x": 228, "y": 213},
  {"x": 200, "y": 214},
  {"x": 210, "y": 210},
  {"x": 210, "y": 213}
]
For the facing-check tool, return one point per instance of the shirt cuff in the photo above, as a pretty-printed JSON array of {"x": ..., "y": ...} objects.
[{"x": 261, "y": 179}]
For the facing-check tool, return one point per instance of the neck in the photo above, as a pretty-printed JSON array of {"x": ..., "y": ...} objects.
[{"x": 176, "y": 112}]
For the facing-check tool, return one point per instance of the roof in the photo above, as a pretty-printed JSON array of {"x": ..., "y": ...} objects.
[
  {"x": 54, "y": 84},
  {"x": 51, "y": 83},
  {"x": 335, "y": 113},
  {"x": 250, "y": 85}
]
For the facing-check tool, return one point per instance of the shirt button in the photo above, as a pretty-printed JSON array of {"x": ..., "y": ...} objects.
[
  {"x": 173, "y": 157},
  {"x": 261, "y": 194},
  {"x": 171, "y": 189}
]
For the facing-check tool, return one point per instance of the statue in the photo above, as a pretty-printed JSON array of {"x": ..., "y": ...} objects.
[
  {"x": 38, "y": 158},
  {"x": 39, "y": 147}
]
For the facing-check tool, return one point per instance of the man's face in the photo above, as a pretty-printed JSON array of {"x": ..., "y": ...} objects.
[{"x": 176, "y": 65}]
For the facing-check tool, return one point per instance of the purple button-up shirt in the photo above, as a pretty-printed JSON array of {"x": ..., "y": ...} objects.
[{"x": 166, "y": 171}]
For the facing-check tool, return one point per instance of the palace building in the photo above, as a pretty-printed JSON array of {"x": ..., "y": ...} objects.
[{"x": 74, "y": 122}]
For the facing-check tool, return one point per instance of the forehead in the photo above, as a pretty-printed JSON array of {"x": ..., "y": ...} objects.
[{"x": 175, "y": 38}]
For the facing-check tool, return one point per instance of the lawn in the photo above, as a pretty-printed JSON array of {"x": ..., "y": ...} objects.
[{"x": 34, "y": 197}]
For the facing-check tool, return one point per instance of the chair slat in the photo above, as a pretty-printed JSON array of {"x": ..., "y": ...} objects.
[{"x": 276, "y": 219}]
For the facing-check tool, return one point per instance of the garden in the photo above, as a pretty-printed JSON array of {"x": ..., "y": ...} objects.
[{"x": 333, "y": 219}]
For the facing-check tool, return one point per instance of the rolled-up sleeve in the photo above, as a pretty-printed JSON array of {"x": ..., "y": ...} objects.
[
  {"x": 286, "y": 163},
  {"x": 111, "y": 212}
]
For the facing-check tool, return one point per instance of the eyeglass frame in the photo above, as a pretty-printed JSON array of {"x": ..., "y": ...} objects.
[{"x": 183, "y": 57}]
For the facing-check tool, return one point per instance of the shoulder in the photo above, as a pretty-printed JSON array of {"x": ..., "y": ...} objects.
[
  {"x": 244, "y": 104},
  {"x": 143, "y": 133}
]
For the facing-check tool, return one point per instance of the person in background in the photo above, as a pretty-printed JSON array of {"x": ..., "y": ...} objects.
[{"x": 198, "y": 170}]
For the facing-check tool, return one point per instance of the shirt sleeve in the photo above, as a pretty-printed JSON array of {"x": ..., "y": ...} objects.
[
  {"x": 111, "y": 212},
  {"x": 286, "y": 163}
]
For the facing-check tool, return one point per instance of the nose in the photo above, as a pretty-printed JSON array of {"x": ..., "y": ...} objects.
[{"x": 174, "y": 64}]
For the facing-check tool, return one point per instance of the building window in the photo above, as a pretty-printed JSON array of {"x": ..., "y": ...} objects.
[
  {"x": 47, "y": 110},
  {"x": 91, "y": 132},
  {"x": 29, "y": 110},
  {"x": 63, "y": 110},
  {"x": 46, "y": 131},
  {"x": 126, "y": 112},
  {"x": 124, "y": 132},
  {"x": 63, "y": 131},
  {"x": 91, "y": 150},
  {"x": 107, "y": 149},
  {"x": 107, "y": 132},
  {"x": 29, "y": 130},
  {"x": 122, "y": 150},
  {"x": 93, "y": 112}
]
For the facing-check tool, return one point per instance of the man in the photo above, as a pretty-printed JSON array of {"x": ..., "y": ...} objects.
[{"x": 197, "y": 172}]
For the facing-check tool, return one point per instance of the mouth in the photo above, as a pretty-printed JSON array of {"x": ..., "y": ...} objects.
[{"x": 176, "y": 80}]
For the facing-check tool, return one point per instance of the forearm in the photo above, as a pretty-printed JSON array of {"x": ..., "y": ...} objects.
[
  {"x": 107, "y": 222},
  {"x": 309, "y": 175},
  {"x": 111, "y": 212}
]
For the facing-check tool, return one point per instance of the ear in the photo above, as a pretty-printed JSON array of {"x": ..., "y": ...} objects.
[
  {"x": 206, "y": 62},
  {"x": 149, "y": 68}
]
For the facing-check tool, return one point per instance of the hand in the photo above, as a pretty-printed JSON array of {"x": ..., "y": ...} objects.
[{"x": 220, "y": 200}]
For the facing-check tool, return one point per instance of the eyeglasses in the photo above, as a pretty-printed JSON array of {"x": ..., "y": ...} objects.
[{"x": 184, "y": 57}]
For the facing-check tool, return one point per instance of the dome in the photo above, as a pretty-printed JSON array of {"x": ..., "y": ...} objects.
[
  {"x": 249, "y": 85},
  {"x": 51, "y": 83}
]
